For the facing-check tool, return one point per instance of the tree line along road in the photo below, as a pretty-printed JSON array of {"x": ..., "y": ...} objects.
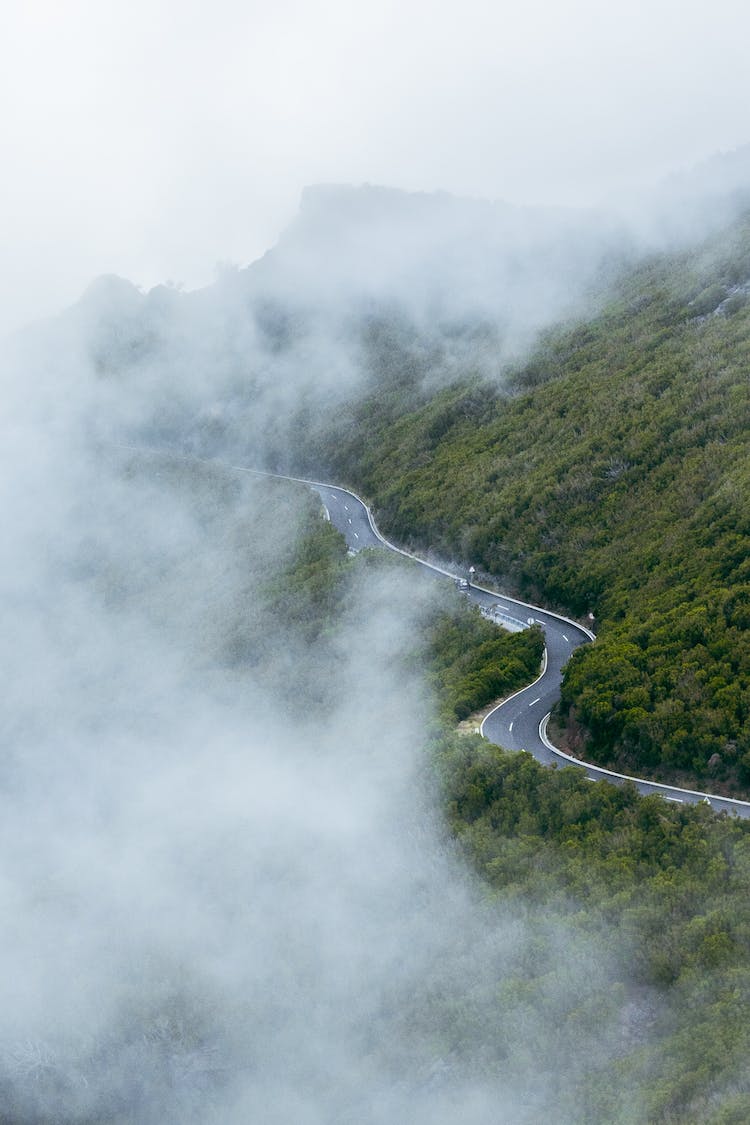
[{"x": 519, "y": 722}]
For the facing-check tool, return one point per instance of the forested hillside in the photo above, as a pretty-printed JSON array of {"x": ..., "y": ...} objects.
[
  {"x": 597, "y": 968},
  {"x": 608, "y": 474},
  {"x": 665, "y": 889},
  {"x": 660, "y": 889}
]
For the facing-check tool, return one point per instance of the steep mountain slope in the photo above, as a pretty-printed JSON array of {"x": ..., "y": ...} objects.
[
  {"x": 469, "y": 282},
  {"x": 194, "y": 655},
  {"x": 606, "y": 473},
  {"x": 613, "y": 478}
]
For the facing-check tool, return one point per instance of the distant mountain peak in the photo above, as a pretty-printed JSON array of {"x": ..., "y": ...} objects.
[{"x": 109, "y": 293}]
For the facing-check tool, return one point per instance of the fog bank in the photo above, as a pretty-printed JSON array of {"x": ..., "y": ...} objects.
[{"x": 228, "y": 893}]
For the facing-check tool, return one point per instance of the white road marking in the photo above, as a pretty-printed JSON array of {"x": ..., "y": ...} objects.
[
  {"x": 346, "y": 507},
  {"x": 327, "y": 513},
  {"x": 679, "y": 800},
  {"x": 510, "y": 726},
  {"x": 350, "y": 519},
  {"x": 565, "y": 638},
  {"x": 734, "y": 802},
  {"x": 355, "y": 535},
  {"x": 535, "y": 701}
]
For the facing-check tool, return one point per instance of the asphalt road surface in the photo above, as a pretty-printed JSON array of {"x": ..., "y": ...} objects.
[{"x": 520, "y": 722}]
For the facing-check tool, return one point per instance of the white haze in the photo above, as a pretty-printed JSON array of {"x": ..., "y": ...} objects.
[
  {"x": 156, "y": 139},
  {"x": 365, "y": 284},
  {"x": 227, "y": 892},
  {"x": 227, "y": 895}
]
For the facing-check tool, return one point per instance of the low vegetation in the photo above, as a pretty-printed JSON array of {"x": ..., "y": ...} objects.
[
  {"x": 665, "y": 887},
  {"x": 610, "y": 473},
  {"x": 471, "y": 662},
  {"x": 662, "y": 890}
]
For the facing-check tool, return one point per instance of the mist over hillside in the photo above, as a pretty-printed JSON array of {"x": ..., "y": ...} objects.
[
  {"x": 368, "y": 288},
  {"x": 230, "y": 890},
  {"x": 608, "y": 480},
  {"x": 229, "y": 894},
  {"x": 691, "y": 203},
  {"x": 444, "y": 258}
]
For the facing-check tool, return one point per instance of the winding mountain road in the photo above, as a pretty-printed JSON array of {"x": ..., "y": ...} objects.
[{"x": 520, "y": 722}]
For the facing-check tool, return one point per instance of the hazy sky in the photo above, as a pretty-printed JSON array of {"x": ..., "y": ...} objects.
[{"x": 156, "y": 138}]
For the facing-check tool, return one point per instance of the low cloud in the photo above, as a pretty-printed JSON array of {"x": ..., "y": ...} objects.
[{"x": 229, "y": 895}]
